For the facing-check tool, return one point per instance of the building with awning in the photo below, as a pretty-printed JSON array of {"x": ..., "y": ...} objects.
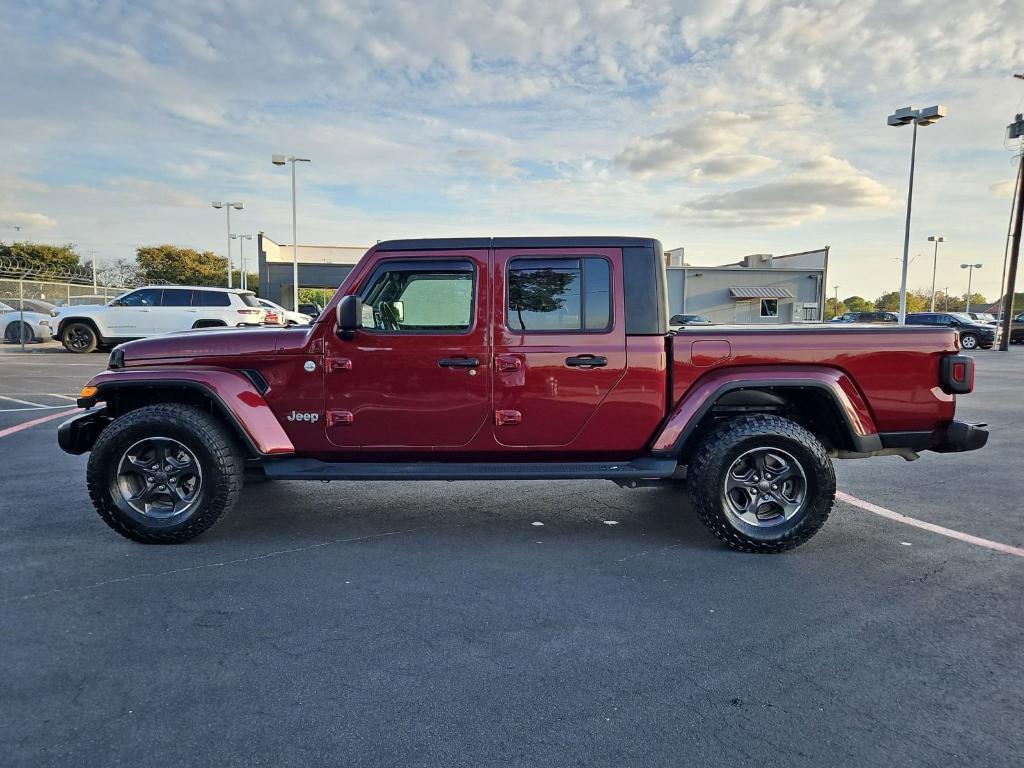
[{"x": 758, "y": 289}]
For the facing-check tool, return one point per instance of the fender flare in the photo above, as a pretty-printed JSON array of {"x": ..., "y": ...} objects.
[
  {"x": 836, "y": 385},
  {"x": 237, "y": 398}
]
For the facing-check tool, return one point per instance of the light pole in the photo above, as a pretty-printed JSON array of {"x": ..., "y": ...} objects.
[
  {"x": 281, "y": 160},
  {"x": 935, "y": 263},
  {"x": 228, "y": 206},
  {"x": 970, "y": 274},
  {"x": 243, "y": 280},
  {"x": 904, "y": 116}
]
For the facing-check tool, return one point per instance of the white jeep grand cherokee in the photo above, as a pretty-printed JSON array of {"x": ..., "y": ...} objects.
[{"x": 153, "y": 311}]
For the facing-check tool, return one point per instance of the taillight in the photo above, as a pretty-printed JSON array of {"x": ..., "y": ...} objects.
[
  {"x": 957, "y": 374},
  {"x": 249, "y": 311}
]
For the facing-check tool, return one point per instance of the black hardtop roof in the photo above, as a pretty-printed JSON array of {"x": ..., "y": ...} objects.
[{"x": 461, "y": 243}]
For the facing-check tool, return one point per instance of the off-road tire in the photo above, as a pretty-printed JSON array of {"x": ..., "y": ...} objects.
[
  {"x": 714, "y": 456},
  {"x": 83, "y": 331},
  {"x": 217, "y": 450}
]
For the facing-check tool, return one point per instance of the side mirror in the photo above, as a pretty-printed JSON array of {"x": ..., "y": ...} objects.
[{"x": 350, "y": 316}]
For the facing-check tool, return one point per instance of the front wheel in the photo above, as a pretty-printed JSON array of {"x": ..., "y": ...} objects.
[
  {"x": 969, "y": 341},
  {"x": 762, "y": 483},
  {"x": 164, "y": 474},
  {"x": 80, "y": 338}
]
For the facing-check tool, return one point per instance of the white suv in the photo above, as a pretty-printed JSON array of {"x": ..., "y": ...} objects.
[{"x": 155, "y": 310}]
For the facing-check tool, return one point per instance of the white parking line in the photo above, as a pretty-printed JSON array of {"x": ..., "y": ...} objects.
[
  {"x": 62, "y": 397},
  {"x": 867, "y": 506},
  {"x": 22, "y": 402}
]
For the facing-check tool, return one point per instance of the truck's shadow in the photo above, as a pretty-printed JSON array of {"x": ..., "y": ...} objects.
[{"x": 654, "y": 516}]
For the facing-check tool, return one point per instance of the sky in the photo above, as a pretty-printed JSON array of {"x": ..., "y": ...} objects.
[{"x": 725, "y": 126}]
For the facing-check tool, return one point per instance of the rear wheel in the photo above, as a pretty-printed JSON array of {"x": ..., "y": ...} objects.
[
  {"x": 80, "y": 338},
  {"x": 18, "y": 332},
  {"x": 762, "y": 483},
  {"x": 164, "y": 474}
]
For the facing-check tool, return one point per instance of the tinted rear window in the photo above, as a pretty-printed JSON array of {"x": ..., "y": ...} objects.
[
  {"x": 249, "y": 299},
  {"x": 210, "y": 299},
  {"x": 177, "y": 297}
]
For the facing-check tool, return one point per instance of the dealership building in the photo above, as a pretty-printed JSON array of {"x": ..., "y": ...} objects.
[
  {"x": 321, "y": 267},
  {"x": 759, "y": 289}
]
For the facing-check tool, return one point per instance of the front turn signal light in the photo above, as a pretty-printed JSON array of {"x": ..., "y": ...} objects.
[{"x": 87, "y": 392}]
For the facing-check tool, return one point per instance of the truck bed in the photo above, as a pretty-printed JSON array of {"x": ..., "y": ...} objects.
[{"x": 895, "y": 368}]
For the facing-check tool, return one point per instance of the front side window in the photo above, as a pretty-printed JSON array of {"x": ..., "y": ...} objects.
[
  {"x": 420, "y": 298},
  {"x": 147, "y": 297},
  {"x": 769, "y": 307},
  {"x": 559, "y": 295}
]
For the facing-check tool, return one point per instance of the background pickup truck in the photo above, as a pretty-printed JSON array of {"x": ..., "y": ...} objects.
[{"x": 515, "y": 358}]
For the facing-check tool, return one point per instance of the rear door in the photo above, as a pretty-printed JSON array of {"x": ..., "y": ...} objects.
[
  {"x": 175, "y": 312},
  {"x": 416, "y": 377},
  {"x": 559, "y": 341}
]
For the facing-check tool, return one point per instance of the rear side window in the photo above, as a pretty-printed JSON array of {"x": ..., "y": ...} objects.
[
  {"x": 564, "y": 295},
  {"x": 210, "y": 299},
  {"x": 177, "y": 297}
]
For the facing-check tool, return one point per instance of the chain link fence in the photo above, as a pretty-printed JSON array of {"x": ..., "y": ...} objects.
[{"x": 28, "y": 292}]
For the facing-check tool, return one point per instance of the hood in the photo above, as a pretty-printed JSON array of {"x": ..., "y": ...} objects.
[{"x": 202, "y": 342}]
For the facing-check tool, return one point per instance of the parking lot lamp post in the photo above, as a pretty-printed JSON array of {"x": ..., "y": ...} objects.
[
  {"x": 228, "y": 206},
  {"x": 916, "y": 117},
  {"x": 970, "y": 274},
  {"x": 243, "y": 281},
  {"x": 281, "y": 160},
  {"x": 935, "y": 263}
]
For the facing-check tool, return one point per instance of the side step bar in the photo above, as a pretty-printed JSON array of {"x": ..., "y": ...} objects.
[{"x": 314, "y": 469}]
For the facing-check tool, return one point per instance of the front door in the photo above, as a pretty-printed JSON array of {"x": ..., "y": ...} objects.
[
  {"x": 417, "y": 375},
  {"x": 560, "y": 344},
  {"x": 133, "y": 316}
]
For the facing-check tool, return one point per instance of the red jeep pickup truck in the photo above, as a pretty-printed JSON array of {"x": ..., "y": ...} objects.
[{"x": 515, "y": 358}]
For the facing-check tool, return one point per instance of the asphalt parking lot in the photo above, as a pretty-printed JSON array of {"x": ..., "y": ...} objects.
[{"x": 531, "y": 624}]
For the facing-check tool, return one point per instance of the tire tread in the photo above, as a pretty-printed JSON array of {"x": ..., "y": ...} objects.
[
  {"x": 703, "y": 483},
  {"x": 227, "y": 456}
]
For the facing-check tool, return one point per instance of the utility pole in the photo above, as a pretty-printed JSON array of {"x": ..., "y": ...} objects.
[{"x": 1014, "y": 131}]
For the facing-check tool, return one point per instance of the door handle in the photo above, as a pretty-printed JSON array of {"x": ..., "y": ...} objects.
[
  {"x": 459, "y": 362},
  {"x": 587, "y": 361}
]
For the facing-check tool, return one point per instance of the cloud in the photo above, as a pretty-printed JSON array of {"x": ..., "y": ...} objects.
[
  {"x": 711, "y": 148},
  {"x": 1002, "y": 188},
  {"x": 807, "y": 193}
]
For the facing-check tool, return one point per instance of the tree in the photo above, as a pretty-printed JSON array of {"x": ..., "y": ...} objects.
[
  {"x": 538, "y": 290},
  {"x": 857, "y": 304},
  {"x": 832, "y": 309},
  {"x": 41, "y": 255},
  {"x": 183, "y": 266},
  {"x": 891, "y": 302},
  {"x": 121, "y": 273}
]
